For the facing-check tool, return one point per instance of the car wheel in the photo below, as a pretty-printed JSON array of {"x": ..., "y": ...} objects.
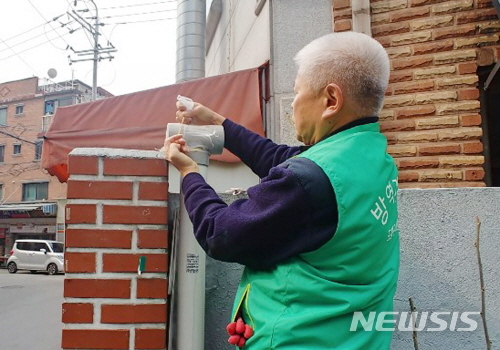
[
  {"x": 52, "y": 269},
  {"x": 12, "y": 267},
  {"x": 33, "y": 271}
]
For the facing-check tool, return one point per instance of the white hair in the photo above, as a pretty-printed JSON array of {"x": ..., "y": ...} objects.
[{"x": 357, "y": 63}]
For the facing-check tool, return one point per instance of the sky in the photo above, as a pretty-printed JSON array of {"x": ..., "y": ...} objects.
[{"x": 143, "y": 32}]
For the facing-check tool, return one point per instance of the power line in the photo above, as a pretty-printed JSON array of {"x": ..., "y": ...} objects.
[
  {"x": 16, "y": 137},
  {"x": 60, "y": 36},
  {"x": 16, "y": 54},
  {"x": 34, "y": 37},
  {"x": 30, "y": 48},
  {"x": 150, "y": 20},
  {"x": 135, "y": 5},
  {"x": 138, "y": 14},
  {"x": 29, "y": 30}
]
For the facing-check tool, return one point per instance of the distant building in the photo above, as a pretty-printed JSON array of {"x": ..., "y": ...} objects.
[{"x": 31, "y": 201}]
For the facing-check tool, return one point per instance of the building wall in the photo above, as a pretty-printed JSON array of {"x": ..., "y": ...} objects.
[
  {"x": 242, "y": 38},
  {"x": 116, "y": 214},
  {"x": 21, "y": 168},
  {"x": 431, "y": 115}
]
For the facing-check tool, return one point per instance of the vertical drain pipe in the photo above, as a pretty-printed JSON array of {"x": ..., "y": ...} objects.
[
  {"x": 191, "y": 23},
  {"x": 188, "y": 296},
  {"x": 187, "y": 326}
]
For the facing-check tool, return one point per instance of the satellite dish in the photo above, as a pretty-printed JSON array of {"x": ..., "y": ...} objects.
[{"x": 52, "y": 73}]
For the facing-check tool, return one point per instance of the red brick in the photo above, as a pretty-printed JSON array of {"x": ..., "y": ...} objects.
[
  {"x": 438, "y": 148},
  {"x": 408, "y": 176},
  {"x": 409, "y": 112},
  {"x": 468, "y": 94},
  {"x": 342, "y": 25},
  {"x": 119, "y": 214},
  {"x": 418, "y": 162},
  {"x": 99, "y": 189},
  {"x": 384, "y": 41},
  {"x": 397, "y": 125},
  {"x": 415, "y": 3},
  {"x": 96, "y": 288},
  {"x": 408, "y": 14},
  {"x": 476, "y": 15},
  {"x": 77, "y": 313},
  {"x": 474, "y": 174},
  {"x": 341, "y": 4},
  {"x": 152, "y": 239},
  {"x": 153, "y": 191},
  {"x": 397, "y": 77},
  {"x": 483, "y": 3},
  {"x": 130, "y": 262},
  {"x": 414, "y": 86},
  {"x": 342, "y": 14},
  {"x": 137, "y": 167},
  {"x": 95, "y": 339},
  {"x": 421, "y": 49},
  {"x": 79, "y": 262},
  {"x": 454, "y": 31},
  {"x": 80, "y": 213},
  {"x": 391, "y": 138},
  {"x": 150, "y": 339},
  {"x": 96, "y": 238},
  {"x": 82, "y": 165},
  {"x": 485, "y": 56},
  {"x": 467, "y": 68},
  {"x": 470, "y": 120},
  {"x": 390, "y": 29},
  {"x": 472, "y": 147},
  {"x": 152, "y": 288},
  {"x": 139, "y": 313},
  {"x": 412, "y": 62}
]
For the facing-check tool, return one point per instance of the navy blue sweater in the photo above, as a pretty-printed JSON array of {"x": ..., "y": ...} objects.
[{"x": 292, "y": 211}]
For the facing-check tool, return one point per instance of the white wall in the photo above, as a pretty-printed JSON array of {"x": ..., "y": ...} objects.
[{"x": 242, "y": 39}]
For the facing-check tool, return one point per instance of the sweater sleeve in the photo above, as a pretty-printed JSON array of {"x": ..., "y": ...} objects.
[
  {"x": 285, "y": 215},
  {"x": 258, "y": 153}
]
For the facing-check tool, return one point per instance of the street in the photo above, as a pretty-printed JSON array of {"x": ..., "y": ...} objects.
[{"x": 30, "y": 309}]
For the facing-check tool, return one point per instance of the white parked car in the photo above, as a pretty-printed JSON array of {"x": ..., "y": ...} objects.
[{"x": 36, "y": 255}]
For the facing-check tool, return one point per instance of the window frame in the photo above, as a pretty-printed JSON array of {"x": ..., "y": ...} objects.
[
  {"x": 37, "y": 197},
  {"x": 21, "y": 113},
  {"x": 19, "y": 145},
  {"x": 2, "y": 108}
]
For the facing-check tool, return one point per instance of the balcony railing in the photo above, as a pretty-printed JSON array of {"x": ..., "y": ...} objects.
[{"x": 46, "y": 121}]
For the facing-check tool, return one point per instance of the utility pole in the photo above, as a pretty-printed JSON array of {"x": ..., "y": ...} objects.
[{"x": 97, "y": 51}]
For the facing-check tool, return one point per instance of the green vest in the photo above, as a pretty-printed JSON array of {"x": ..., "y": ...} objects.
[{"x": 308, "y": 302}]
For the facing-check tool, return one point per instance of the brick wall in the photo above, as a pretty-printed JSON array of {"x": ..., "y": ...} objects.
[
  {"x": 116, "y": 213},
  {"x": 431, "y": 115}
]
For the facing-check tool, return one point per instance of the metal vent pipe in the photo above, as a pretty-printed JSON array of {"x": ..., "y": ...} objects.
[{"x": 191, "y": 23}]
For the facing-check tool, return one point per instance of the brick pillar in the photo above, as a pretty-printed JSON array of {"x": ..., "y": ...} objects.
[{"x": 116, "y": 214}]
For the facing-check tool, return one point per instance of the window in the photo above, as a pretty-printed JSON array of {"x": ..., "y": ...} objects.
[
  {"x": 17, "y": 149},
  {"x": 57, "y": 247},
  {"x": 19, "y": 109},
  {"x": 50, "y": 107},
  {"x": 3, "y": 116},
  {"x": 38, "y": 149},
  {"x": 2, "y": 153},
  {"x": 35, "y": 191},
  {"x": 40, "y": 245},
  {"x": 1, "y": 193}
]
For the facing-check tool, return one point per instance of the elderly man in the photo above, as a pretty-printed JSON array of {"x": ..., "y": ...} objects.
[{"x": 318, "y": 236}]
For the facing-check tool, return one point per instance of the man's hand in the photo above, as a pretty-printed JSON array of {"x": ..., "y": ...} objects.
[
  {"x": 175, "y": 152},
  {"x": 199, "y": 115}
]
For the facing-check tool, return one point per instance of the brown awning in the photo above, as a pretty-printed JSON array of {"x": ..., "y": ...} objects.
[{"x": 139, "y": 120}]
